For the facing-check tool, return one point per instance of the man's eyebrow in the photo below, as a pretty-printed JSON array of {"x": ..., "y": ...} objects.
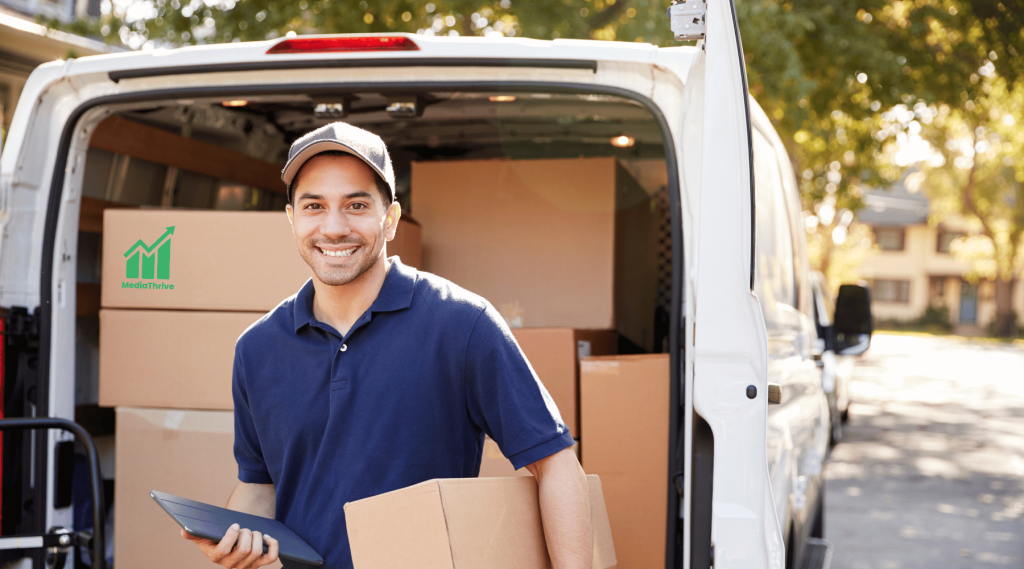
[{"x": 352, "y": 196}]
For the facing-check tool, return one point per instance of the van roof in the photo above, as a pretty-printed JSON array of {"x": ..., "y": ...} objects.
[{"x": 195, "y": 58}]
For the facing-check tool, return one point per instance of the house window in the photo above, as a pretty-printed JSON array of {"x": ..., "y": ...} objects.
[
  {"x": 889, "y": 238},
  {"x": 886, "y": 290},
  {"x": 944, "y": 239}
]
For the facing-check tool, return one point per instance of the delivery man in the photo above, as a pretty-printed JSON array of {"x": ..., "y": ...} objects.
[{"x": 376, "y": 376}]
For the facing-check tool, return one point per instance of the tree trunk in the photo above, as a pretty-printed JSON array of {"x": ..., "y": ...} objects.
[{"x": 1006, "y": 319}]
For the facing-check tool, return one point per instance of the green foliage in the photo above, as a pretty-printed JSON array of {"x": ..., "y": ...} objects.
[{"x": 979, "y": 175}]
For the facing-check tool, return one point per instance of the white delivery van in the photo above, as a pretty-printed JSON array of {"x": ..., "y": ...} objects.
[{"x": 748, "y": 422}]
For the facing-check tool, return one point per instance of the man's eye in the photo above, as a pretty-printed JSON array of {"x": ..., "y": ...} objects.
[
  {"x": 311, "y": 206},
  {"x": 359, "y": 205}
]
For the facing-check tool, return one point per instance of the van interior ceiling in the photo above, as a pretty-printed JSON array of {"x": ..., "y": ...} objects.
[{"x": 227, "y": 154}]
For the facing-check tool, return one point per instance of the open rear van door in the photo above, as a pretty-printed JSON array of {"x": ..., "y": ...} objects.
[{"x": 731, "y": 521}]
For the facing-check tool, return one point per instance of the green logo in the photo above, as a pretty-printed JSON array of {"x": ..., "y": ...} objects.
[{"x": 149, "y": 262}]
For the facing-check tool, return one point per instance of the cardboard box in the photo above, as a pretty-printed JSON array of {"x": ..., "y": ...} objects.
[
  {"x": 554, "y": 354},
  {"x": 169, "y": 358},
  {"x": 551, "y": 243},
  {"x": 625, "y": 413},
  {"x": 493, "y": 463},
  {"x": 186, "y": 453},
  {"x": 210, "y": 260},
  {"x": 469, "y": 523}
]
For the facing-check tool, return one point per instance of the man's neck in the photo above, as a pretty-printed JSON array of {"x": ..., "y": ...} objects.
[{"x": 340, "y": 306}]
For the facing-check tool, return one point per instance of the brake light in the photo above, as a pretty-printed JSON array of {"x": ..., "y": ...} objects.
[{"x": 344, "y": 44}]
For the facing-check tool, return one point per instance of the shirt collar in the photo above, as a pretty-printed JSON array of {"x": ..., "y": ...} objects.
[{"x": 395, "y": 294}]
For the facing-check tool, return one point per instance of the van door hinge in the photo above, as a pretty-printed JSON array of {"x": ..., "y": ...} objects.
[{"x": 688, "y": 19}]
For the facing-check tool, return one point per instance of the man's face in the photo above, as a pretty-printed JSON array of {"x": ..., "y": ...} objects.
[{"x": 338, "y": 219}]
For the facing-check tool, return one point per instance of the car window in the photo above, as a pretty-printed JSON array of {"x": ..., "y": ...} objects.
[{"x": 774, "y": 270}]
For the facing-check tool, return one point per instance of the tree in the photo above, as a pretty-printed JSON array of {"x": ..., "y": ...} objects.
[{"x": 979, "y": 174}]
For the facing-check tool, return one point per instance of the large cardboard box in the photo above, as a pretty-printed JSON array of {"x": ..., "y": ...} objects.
[
  {"x": 186, "y": 453},
  {"x": 469, "y": 523},
  {"x": 625, "y": 413},
  {"x": 175, "y": 359},
  {"x": 554, "y": 354},
  {"x": 551, "y": 243},
  {"x": 210, "y": 260}
]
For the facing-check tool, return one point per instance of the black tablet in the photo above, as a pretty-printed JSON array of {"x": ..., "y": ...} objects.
[{"x": 212, "y": 522}]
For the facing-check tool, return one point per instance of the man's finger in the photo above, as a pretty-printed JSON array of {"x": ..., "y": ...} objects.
[
  {"x": 271, "y": 555},
  {"x": 241, "y": 551},
  {"x": 255, "y": 551},
  {"x": 227, "y": 543}
]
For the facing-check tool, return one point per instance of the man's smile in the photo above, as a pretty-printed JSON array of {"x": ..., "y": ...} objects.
[{"x": 344, "y": 252}]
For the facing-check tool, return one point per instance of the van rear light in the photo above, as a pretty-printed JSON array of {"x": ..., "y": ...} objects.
[{"x": 344, "y": 44}]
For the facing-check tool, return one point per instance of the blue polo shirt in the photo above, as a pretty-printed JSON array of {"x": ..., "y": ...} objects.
[{"x": 406, "y": 396}]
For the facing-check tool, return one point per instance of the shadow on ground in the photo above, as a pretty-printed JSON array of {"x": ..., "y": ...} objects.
[{"x": 930, "y": 472}]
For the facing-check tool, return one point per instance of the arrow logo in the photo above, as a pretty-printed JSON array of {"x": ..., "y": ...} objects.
[
  {"x": 149, "y": 248},
  {"x": 150, "y": 261}
]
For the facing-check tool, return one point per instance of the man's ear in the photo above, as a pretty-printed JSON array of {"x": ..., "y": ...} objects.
[
  {"x": 391, "y": 220},
  {"x": 291, "y": 222}
]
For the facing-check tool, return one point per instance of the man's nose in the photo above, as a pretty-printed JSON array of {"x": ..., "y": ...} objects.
[{"x": 335, "y": 225}]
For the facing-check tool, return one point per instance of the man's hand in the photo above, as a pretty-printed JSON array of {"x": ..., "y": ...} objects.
[{"x": 239, "y": 548}]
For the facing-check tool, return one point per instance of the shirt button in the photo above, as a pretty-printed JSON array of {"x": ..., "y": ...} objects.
[{"x": 344, "y": 347}]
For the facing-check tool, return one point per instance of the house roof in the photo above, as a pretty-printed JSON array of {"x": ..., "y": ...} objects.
[
  {"x": 26, "y": 44},
  {"x": 894, "y": 207}
]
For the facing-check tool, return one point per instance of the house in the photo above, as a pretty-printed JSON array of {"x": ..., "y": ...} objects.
[
  {"x": 26, "y": 44},
  {"x": 915, "y": 268}
]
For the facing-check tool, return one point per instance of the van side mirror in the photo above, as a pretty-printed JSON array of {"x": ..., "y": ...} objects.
[{"x": 853, "y": 325}]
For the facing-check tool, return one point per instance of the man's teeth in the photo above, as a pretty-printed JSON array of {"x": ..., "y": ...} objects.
[{"x": 345, "y": 253}]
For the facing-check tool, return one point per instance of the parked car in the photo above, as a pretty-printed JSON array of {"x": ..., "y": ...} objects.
[
  {"x": 836, "y": 367},
  {"x": 742, "y": 484}
]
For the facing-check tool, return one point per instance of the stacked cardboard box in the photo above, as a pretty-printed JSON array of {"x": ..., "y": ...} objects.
[
  {"x": 551, "y": 243},
  {"x": 178, "y": 289},
  {"x": 625, "y": 401}
]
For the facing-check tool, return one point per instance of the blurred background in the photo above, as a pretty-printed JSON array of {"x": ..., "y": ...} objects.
[{"x": 903, "y": 119}]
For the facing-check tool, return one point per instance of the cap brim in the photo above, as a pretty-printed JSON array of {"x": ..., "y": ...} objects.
[{"x": 314, "y": 148}]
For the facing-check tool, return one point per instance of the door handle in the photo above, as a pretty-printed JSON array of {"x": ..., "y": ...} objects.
[{"x": 774, "y": 394}]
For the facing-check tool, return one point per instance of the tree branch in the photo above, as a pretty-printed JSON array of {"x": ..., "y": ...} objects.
[{"x": 604, "y": 17}]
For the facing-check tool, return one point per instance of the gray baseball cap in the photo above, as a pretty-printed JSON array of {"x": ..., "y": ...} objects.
[{"x": 343, "y": 137}]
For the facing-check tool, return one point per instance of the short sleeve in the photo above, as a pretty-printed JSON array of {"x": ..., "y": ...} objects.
[
  {"x": 505, "y": 397},
  {"x": 248, "y": 454}
]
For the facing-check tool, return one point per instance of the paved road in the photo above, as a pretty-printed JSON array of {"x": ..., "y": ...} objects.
[{"x": 930, "y": 473}]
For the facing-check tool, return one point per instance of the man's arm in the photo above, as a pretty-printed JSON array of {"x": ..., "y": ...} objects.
[
  {"x": 241, "y": 548},
  {"x": 565, "y": 510}
]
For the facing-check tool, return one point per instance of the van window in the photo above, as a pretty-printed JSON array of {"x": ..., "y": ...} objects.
[{"x": 774, "y": 270}]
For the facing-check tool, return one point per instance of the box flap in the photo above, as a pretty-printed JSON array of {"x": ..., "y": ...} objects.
[
  {"x": 411, "y": 516},
  {"x": 494, "y": 523}
]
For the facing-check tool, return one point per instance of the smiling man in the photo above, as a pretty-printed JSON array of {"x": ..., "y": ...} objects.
[{"x": 376, "y": 376}]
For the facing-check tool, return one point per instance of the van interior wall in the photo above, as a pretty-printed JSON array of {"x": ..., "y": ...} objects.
[{"x": 640, "y": 231}]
